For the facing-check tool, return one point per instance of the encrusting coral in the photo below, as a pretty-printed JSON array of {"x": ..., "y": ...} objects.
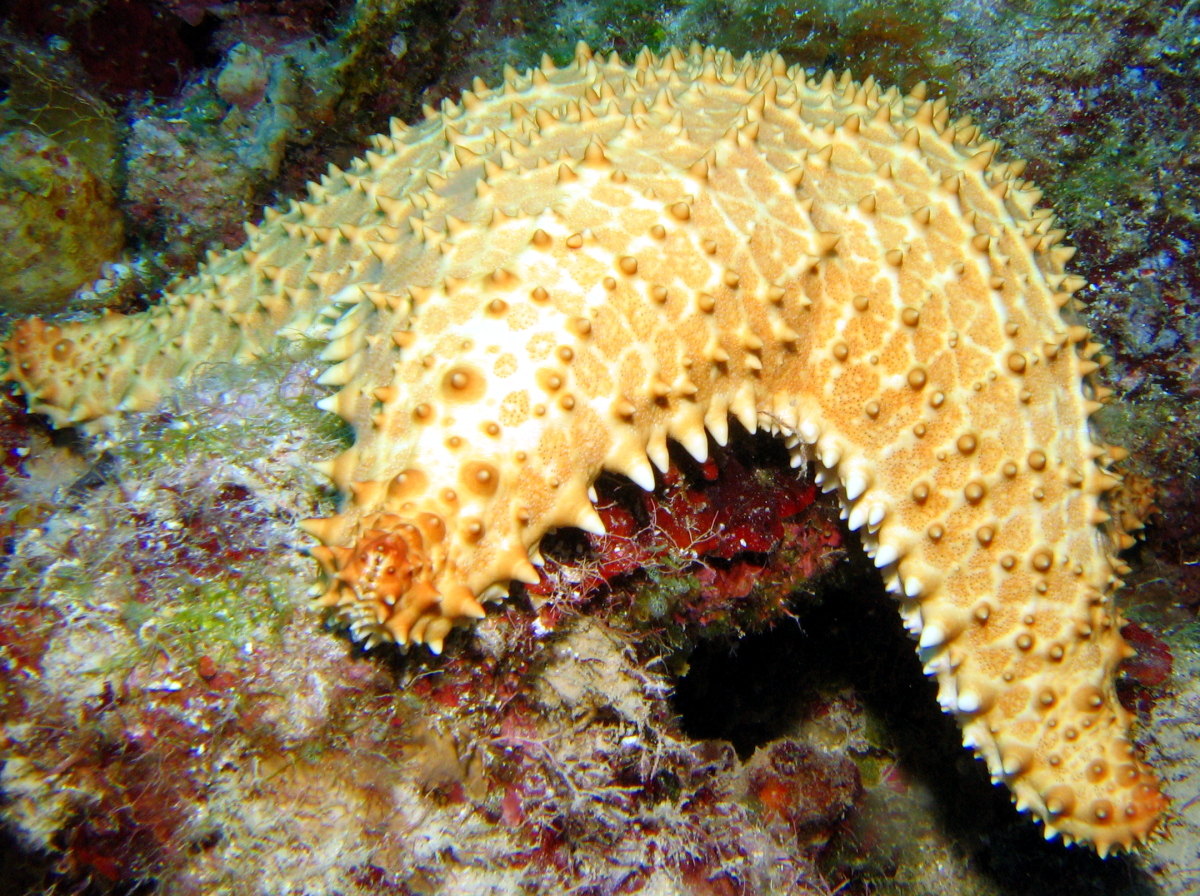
[{"x": 554, "y": 277}]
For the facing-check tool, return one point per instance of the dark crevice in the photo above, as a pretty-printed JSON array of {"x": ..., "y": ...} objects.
[{"x": 761, "y": 687}]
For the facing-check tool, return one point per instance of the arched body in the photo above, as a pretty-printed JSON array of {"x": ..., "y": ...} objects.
[{"x": 559, "y": 275}]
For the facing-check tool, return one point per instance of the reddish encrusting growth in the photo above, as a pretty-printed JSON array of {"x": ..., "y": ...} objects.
[
  {"x": 720, "y": 527},
  {"x": 805, "y": 788},
  {"x": 1144, "y": 674}
]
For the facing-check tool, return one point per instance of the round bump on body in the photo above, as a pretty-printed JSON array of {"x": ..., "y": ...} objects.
[{"x": 463, "y": 383}]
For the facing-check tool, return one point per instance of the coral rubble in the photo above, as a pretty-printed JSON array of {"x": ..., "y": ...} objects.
[{"x": 193, "y": 725}]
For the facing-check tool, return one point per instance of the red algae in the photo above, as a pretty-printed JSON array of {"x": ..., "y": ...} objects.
[{"x": 688, "y": 554}]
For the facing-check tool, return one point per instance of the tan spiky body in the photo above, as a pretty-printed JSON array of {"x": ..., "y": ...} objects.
[{"x": 557, "y": 276}]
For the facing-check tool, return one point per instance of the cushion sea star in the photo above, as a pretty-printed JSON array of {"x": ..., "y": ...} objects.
[{"x": 554, "y": 277}]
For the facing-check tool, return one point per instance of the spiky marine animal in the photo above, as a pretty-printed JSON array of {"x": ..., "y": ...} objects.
[{"x": 554, "y": 277}]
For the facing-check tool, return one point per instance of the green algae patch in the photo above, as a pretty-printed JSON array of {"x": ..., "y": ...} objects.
[
  {"x": 213, "y": 618},
  {"x": 238, "y": 415},
  {"x": 898, "y": 42},
  {"x": 605, "y": 25}
]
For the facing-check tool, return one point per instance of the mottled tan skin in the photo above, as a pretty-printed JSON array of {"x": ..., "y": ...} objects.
[{"x": 558, "y": 275}]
